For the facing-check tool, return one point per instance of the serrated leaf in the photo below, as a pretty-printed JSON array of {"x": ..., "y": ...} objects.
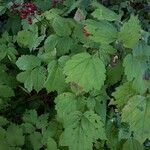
[
  {"x": 30, "y": 116},
  {"x": 61, "y": 27},
  {"x": 51, "y": 42},
  {"x": 131, "y": 29},
  {"x": 101, "y": 32},
  {"x": 6, "y": 91},
  {"x": 50, "y": 131},
  {"x": 23, "y": 38},
  {"x": 137, "y": 66},
  {"x": 28, "y": 62},
  {"x": 3, "y": 121},
  {"x": 51, "y": 144},
  {"x": 114, "y": 73},
  {"x": 3, "y": 53},
  {"x": 42, "y": 121},
  {"x": 122, "y": 94},
  {"x": 85, "y": 70},
  {"x": 15, "y": 136},
  {"x": 27, "y": 128},
  {"x": 84, "y": 130},
  {"x": 33, "y": 79},
  {"x": 56, "y": 78},
  {"x": 103, "y": 13},
  {"x": 30, "y": 38},
  {"x": 9, "y": 51},
  {"x": 132, "y": 144},
  {"x": 137, "y": 113},
  {"x": 35, "y": 139},
  {"x": 64, "y": 45},
  {"x": 65, "y": 104}
]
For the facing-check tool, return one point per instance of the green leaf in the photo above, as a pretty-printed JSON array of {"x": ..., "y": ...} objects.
[
  {"x": 132, "y": 144},
  {"x": 23, "y": 38},
  {"x": 42, "y": 121},
  {"x": 28, "y": 62},
  {"x": 137, "y": 113},
  {"x": 56, "y": 78},
  {"x": 86, "y": 71},
  {"x": 51, "y": 144},
  {"x": 30, "y": 116},
  {"x": 8, "y": 51},
  {"x": 83, "y": 129},
  {"x": 64, "y": 45},
  {"x": 3, "y": 53},
  {"x": 3, "y": 121},
  {"x": 101, "y": 32},
  {"x": 122, "y": 94},
  {"x": 35, "y": 139},
  {"x": 27, "y": 128},
  {"x": 137, "y": 66},
  {"x": 114, "y": 73},
  {"x": 15, "y": 136},
  {"x": 61, "y": 44},
  {"x": 6, "y": 91},
  {"x": 30, "y": 38},
  {"x": 3, "y": 142},
  {"x": 66, "y": 103},
  {"x": 33, "y": 79},
  {"x": 131, "y": 29},
  {"x": 61, "y": 27},
  {"x": 103, "y": 13},
  {"x": 51, "y": 42}
]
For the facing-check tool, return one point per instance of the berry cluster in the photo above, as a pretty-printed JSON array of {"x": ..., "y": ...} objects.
[
  {"x": 85, "y": 32},
  {"x": 25, "y": 11}
]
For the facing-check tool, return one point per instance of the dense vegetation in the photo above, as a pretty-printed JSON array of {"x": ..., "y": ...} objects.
[{"x": 75, "y": 75}]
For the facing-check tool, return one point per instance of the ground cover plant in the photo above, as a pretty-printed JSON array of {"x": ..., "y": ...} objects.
[{"x": 75, "y": 75}]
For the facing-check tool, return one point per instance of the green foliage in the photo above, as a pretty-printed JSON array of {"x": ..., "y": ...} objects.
[
  {"x": 136, "y": 114},
  {"x": 132, "y": 144},
  {"x": 74, "y": 75},
  {"x": 83, "y": 69},
  {"x": 130, "y": 32}
]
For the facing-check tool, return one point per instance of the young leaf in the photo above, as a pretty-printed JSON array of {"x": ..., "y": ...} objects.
[
  {"x": 85, "y": 70},
  {"x": 130, "y": 32},
  {"x": 137, "y": 113}
]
